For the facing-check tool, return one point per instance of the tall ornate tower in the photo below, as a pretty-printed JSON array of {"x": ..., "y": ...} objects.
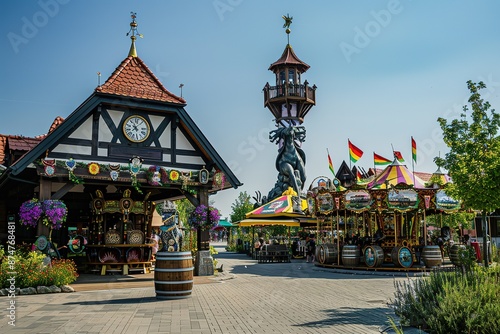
[{"x": 289, "y": 101}]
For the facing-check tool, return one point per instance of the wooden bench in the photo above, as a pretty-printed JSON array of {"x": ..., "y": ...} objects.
[
  {"x": 123, "y": 267},
  {"x": 274, "y": 253}
]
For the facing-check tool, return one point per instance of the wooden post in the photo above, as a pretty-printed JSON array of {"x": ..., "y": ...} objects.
[
  {"x": 45, "y": 193},
  {"x": 203, "y": 236}
]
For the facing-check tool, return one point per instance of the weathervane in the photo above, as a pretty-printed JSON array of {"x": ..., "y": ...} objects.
[
  {"x": 133, "y": 32},
  {"x": 288, "y": 21}
]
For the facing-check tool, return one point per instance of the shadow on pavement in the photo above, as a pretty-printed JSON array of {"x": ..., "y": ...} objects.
[
  {"x": 345, "y": 315},
  {"x": 121, "y": 301}
]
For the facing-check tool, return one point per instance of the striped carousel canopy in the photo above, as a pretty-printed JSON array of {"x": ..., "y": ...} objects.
[
  {"x": 395, "y": 174},
  {"x": 441, "y": 176}
]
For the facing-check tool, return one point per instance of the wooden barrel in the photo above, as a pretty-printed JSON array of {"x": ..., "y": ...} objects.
[
  {"x": 350, "y": 255},
  {"x": 374, "y": 256},
  {"x": 327, "y": 254},
  {"x": 173, "y": 275},
  {"x": 455, "y": 256},
  {"x": 402, "y": 257},
  {"x": 432, "y": 256}
]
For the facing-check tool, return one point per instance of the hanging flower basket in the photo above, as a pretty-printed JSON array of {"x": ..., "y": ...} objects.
[
  {"x": 55, "y": 212},
  {"x": 30, "y": 212},
  {"x": 203, "y": 217},
  {"x": 52, "y": 212}
]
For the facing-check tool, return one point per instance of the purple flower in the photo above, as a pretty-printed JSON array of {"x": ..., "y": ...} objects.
[
  {"x": 52, "y": 212},
  {"x": 55, "y": 213},
  {"x": 198, "y": 218},
  {"x": 30, "y": 212}
]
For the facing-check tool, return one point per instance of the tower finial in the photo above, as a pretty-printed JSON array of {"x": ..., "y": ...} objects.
[
  {"x": 133, "y": 33},
  {"x": 288, "y": 21}
]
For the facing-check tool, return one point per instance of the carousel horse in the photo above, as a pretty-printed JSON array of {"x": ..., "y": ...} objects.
[
  {"x": 171, "y": 235},
  {"x": 290, "y": 161}
]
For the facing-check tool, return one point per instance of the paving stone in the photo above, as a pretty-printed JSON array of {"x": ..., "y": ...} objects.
[{"x": 246, "y": 298}]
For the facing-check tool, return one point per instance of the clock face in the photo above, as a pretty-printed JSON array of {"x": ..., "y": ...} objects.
[{"x": 136, "y": 129}]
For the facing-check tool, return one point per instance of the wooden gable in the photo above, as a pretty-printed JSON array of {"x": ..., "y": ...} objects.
[
  {"x": 345, "y": 175},
  {"x": 95, "y": 133}
]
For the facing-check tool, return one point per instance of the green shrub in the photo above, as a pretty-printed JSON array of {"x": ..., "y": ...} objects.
[
  {"x": 495, "y": 253},
  {"x": 29, "y": 270},
  {"x": 62, "y": 272},
  {"x": 451, "y": 302}
]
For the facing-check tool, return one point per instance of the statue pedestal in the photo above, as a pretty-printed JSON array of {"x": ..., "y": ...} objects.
[{"x": 204, "y": 264}]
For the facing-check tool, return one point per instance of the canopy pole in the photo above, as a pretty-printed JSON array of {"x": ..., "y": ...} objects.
[
  {"x": 395, "y": 221},
  {"x": 338, "y": 239},
  {"x": 331, "y": 230},
  {"x": 289, "y": 236},
  {"x": 253, "y": 240},
  {"x": 345, "y": 225},
  {"x": 425, "y": 230}
]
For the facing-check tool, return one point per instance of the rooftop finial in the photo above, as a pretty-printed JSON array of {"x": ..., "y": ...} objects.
[
  {"x": 133, "y": 33},
  {"x": 288, "y": 21}
]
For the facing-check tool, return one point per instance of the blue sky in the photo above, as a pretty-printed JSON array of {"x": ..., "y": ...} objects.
[{"x": 385, "y": 70}]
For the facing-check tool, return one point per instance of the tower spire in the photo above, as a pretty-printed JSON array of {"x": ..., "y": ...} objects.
[
  {"x": 133, "y": 35},
  {"x": 288, "y": 21}
]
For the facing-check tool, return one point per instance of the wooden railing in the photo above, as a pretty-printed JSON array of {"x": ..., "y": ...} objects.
[{"x": 290, "y": 90}]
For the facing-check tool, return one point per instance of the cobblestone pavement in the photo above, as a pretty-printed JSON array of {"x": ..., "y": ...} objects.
[{"x": 247, "y": 297}]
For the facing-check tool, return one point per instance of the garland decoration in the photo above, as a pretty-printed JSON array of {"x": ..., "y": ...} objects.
[
  {"x": 134, "y": 168},
  {"x": 94, "y": 168},
  {"x": 156, "y": 175},
  {"x": 71, "y": 165}
]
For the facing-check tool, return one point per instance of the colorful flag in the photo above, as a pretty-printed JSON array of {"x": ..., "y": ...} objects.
[
  {"x": 379, "y": 160},
  {"x": 354, "y": 152},
  {"x": 399, "y": 156},
  {"x": 414, "y": 149},
  {"x": 330, "y": 164},
  {"x": 358, "y": 176}
]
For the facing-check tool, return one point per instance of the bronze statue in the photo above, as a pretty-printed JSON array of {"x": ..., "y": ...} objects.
[{"x": 290, "y": 161}]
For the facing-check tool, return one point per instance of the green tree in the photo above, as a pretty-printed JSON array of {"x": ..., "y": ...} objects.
[
  {"x": 474, "y": 158},
  {"x": 184, "y": 208},
  {"x": 455, "y": 220},
  {"x": 241, "y": 207}
]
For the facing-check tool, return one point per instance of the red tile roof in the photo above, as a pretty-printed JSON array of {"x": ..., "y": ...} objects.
[
  {"x": 16, "y": 143},
  {"x": 289, "y": 58},
  {"x": 134, "y": 79},
  {"x": 21, "y": 143},
  {"x": 3, "y": 143},
  {"x": 57, "y": 121}
]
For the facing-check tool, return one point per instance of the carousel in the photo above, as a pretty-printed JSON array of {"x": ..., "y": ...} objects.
[{"x": 378, "y": 224}]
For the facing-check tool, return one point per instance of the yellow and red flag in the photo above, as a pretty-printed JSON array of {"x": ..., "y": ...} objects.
[
  {"x": 398, "y": 156},
  {"x": 414, "y": 149},
  {"x": 330, "y": 164},
  {"x": 379, "y": 160},
  {"x": 354, "y": 152}
]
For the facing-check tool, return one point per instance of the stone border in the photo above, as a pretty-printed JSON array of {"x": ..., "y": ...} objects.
[{"x": 38, "y": 290}]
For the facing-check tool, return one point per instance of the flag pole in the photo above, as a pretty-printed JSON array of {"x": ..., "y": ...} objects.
[
  {"x": 374, "y": 166},
  {"x": 349, "y": 152},
  {"x": 412, "y": 161},
  {"x": 330, "y": 164}
]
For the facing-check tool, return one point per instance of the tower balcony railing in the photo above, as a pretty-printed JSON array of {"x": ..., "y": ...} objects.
[{"x": 292, "y": 91}]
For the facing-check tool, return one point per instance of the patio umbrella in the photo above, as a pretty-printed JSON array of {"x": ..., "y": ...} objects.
[{"x": 217, "y": 227}]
